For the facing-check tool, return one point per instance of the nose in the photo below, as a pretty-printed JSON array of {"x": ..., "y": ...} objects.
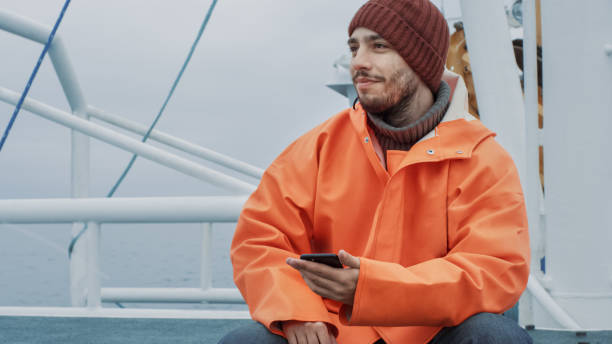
[{"x": 361, "y": 60}]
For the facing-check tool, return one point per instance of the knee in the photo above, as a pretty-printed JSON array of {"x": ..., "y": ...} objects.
[
  {"x": 252, "y": 333},
  {"x": 493, "y": 328}
]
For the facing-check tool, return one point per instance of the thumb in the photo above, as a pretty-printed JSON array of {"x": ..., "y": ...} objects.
[{"x": 348, "y": 260}]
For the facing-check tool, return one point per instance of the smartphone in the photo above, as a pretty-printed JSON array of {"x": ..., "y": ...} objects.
[{"x": 329, "y": 259}]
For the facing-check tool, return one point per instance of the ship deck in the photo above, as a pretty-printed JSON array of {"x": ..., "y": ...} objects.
[
  {"x": 69, "y": 330},
  {"x": 91, "y": 330}
]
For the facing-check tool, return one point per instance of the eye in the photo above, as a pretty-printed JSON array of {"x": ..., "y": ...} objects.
[
  {"x": 380, "y": 45},
  {"x": 353, "y": 49}
]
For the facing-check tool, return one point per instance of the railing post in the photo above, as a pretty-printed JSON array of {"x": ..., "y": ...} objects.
[
  {"x": 78, "y": 270},
  {"x": 80, "y": 189},
  {"x": 29, "y": 29},
  {"x": 532, "y": 188},
  {"x": 206, "y": 263},
  {"x": 93, "y": 262}
]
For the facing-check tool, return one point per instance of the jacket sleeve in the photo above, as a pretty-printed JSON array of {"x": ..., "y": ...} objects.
[
  {"x": 276, "y": 223},
  {"x": 487, "y": 262}
]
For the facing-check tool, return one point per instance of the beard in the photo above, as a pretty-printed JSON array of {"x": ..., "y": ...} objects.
[{"x": 397, "y": 98}]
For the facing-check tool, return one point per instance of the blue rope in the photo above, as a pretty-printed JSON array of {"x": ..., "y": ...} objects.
[
  {"x": 161, "y": 111},
  {"x": 159, "y": 114},
  {"x": 119, "y": 305},
  {"x": 33, "y": 75}
]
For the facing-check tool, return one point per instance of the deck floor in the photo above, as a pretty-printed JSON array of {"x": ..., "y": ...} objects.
[
  {"x": 30, "y": 330},
  {"x": 570, "y": 337},
  {"x": 80, "y": 330}
]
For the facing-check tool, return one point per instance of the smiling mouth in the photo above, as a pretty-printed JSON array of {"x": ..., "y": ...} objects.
[
  {"x": 363, "y": 80},
  {"x": 363, "y": 83}
]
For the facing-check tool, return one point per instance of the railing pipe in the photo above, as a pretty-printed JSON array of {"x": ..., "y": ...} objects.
[
  {"x": 29, "y": 29},
  {"x": 173, "y": 295},
  {"x": 122, "y": 210},
  {"x": 93, "y": 264},
  {"x": 36, "y": 32},
  {"x": 118, "y": 313},
  {"x": 533, "y": 192},
  {"x": 533, "y": 188},
  {"x": 550, "y": 305},
  {"x": 177, "y": 143},
  {"x": 129, "y": 144},
  {"x": 206, "y": 261}
]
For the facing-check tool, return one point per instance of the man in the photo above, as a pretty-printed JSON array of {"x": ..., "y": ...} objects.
[{"x": 423, "y": 206}]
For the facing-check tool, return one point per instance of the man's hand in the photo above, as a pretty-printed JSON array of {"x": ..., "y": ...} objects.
[
  {"x": 332, "y": 283},
  {"x": 299, "y": 332}
]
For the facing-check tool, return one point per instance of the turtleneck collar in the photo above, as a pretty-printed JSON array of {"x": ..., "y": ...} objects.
[{"x": 393, "y": 138}]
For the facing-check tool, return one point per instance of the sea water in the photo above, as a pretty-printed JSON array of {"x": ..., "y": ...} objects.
[{"x": 35, "y": 268}]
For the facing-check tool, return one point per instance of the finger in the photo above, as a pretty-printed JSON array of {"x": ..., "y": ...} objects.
[
  {"x": 324, "y": 335},
  {"x": 330, "y": 291},
  {"x": 340, "y": 290},
  {"x": 348, "y": 260},
  {"x": 301, "y": 264},
  {"x": 316, "y": 268},
  {"x": 300, "y": 336},
  {"x": 318, "y": 290},
  {"x": 311, "y": 336},
  {"x": 291, "y": 337},
  {"x": 324, "y": 283}
]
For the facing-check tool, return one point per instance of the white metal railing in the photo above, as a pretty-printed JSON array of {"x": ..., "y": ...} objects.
[
  {"x": 123, "y": 313},
  {"x": 122, "y": 210},
  {"x": 29, "y": 29},
  {"x": 34, "y": 31},
  {"x": 556, "y": 312},
  {"x": 534, "y": 196},
  {"x": 174, "y": 295},
  {"x": 97, "y": 211},
  {"x": 58, "y": 55},
  {"x": 177, "y": 143},
  {"x": 94, "y": 212},
  {"x": 129, "y": 144}
]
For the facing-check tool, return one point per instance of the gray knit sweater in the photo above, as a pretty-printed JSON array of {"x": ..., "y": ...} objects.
[{"x": 392, "y": 138}]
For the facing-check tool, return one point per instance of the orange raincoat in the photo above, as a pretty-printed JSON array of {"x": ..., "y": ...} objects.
[{"x": 441, "y": 232}]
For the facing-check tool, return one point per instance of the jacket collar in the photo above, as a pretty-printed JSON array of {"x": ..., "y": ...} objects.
[{"x": 454, "y": 138}]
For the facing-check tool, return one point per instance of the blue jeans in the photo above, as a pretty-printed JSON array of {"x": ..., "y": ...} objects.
[
  {"x": 484, "y": 328},
  {"x": 478, "y": 329},
  {"x": 251, "y": 334}
]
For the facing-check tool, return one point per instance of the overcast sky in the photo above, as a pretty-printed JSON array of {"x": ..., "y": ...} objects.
[{"x": 255, "y": 83}]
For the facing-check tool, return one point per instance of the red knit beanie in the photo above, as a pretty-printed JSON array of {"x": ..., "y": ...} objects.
[{"x": 416, "y": 29}]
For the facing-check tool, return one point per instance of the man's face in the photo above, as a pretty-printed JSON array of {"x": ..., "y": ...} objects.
[{"x": 381, "y": 76}]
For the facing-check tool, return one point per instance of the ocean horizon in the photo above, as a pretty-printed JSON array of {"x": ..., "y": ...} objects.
[{"x": 35, "y": 265}]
